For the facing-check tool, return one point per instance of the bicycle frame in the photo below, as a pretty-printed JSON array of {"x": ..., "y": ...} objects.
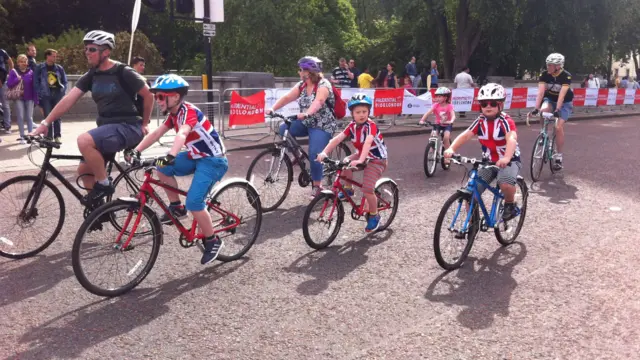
[
  {"x": 545, "y": 131},
  {"x": 476, "y": 198},
  {"x": 337, "y": 187},
  {"x": 147, "y": 190},
  {"x": 48, "y": 168}
]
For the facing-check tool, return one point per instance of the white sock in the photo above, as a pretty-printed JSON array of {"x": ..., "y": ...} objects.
[{"x": 104, "y": 182}]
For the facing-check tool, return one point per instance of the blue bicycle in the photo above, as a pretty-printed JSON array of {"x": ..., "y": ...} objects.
[{"x": 464, "y": 222}]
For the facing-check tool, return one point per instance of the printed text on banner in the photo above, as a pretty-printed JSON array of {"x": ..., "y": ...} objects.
[
  {"x": 388, "y": 101},
  {"x": 247, "y": 110}
]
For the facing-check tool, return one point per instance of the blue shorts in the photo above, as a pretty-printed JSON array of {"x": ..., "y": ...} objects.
[
  {"x": 206, "y": 172},
  {"x": 440, "y": 127},
  {"x": 565, "y": 112}
]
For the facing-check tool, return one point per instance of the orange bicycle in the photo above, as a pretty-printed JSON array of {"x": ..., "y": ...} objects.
[{"x": 235, "y": 210}]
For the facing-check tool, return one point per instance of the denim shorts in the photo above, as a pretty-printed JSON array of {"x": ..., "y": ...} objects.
[
  {"x": 565, "y": 111},
  {"x": 440, "y": 127},
  {"x": 206, "y": 172}
]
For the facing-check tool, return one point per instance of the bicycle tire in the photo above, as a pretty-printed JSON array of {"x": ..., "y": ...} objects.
[
  {"x": 339, "y": 220},
  {"x": 443, "y": 163},
  {"x": 56, "y": 229},
  {"x": 552, "y": 150},
  {"x": 471, "y": 234},
  {"x": 83, "y": 230},
  {"x": 121, "y": 177},
  {"x": 430, "y": 171},
  {"x": 254, "y": 200},
  {"x": 343, "y": 152},
  {"x": 523, "y": 212},
  {"x": 536, "y": 170},
  {"x": 394, "y": 207},
  {"x": 275, "y": 153}
]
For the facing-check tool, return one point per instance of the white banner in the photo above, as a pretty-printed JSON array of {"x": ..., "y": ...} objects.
[
  {"x": 509, "y": 96},
  {"x": 462, "y": 99},
  {"x": 532, "y": 94},
  {"x": 416, "y": 105},
  {"x": 629, "y": 96},
  {"x": 289, "y": 109},
  {"x": 591, "y": 97},
  {"x": 611, "y": 98}
]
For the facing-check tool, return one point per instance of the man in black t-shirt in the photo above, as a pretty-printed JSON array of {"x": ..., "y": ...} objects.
[
  {"x": 341, "y": 76},
  {"x": 555, "y": 89},
  {"x": 120, "y": 126}
]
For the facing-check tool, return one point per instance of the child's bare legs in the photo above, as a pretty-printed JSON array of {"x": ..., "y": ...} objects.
[
  {"x": 171, "y": 181},
  {"x": 447, "y": 139}
]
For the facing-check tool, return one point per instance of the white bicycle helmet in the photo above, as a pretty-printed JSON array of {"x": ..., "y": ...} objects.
[
  {"x": 555, "y": 59},
  {"x": 99, "y": 37},
  {"x": 491, "y": 91},
  {"x": 443, "y": 91}
]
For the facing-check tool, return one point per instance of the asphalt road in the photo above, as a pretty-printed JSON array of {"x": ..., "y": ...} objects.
[{"x": 567, "y": 289}]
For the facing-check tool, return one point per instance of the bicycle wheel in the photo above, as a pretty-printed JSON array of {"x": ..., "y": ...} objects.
[
  {"x": 272, "y": 181},
  {"x": 388, "y": 198},
  {"x": 430, "y": 159},
  {"x": 326, "y": 211},
  {"x": 538, "y": 157},
  {"x": 124, "y": 188},
  {"x": 553, "y": 150},
  {"x": 97, "y": 240},
  {"x": 242, "y": 201},
  {"x": 19, "y": 236},
  {"x": 507, "y": 232},
  {"x": 340, "y": 152},
  {"x": 458, "y": 204}
]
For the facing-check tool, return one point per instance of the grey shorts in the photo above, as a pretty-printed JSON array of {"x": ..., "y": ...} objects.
[
  {"x": 508, "y": 175},
  {"x": 113, "y": 138}
]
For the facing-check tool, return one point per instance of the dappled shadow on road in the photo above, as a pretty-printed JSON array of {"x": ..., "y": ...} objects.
[
  {"x": 104, "y": 319},
  {"x": 334, "y": 263},
  {"x": 482, "y": 287},
  {"x": 34, "y": 276},
  {"x": 279, "y": 223},
  {"x": 555, "y": 189}
]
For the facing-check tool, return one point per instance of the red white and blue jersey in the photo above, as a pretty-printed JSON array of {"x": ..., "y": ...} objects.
[
  {"x": 492, "y": 136},
  {"x": 203, "y": 140},
  {"x": 358, "y": 134}
]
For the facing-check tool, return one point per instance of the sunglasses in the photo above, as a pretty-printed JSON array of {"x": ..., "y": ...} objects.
[
  {"x": 484, "y": 104},
  {"x": 91, "y": 49},
  {"x": 161, "y": 96}
]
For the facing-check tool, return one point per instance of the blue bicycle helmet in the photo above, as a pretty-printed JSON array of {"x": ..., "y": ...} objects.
[
  {"x": 360, "y": 99},
  {"x": 170, "y": 83}
]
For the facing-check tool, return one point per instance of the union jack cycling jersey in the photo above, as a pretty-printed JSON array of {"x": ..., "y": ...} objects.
[
  {"x": 203, "y": 140},
  {"x": 492, "y": 136},
  {"x": 358, "y": 134}
]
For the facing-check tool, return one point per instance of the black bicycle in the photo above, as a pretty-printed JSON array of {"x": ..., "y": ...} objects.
[
  {"x": 32, "y": 204},
  {"x": 274, "y": 182}
]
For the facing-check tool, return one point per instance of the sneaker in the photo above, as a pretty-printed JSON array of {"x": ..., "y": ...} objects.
[
  {"x": 99, "y": 191},
  {"x": 509, "y": 212},
  {"x": 372, "y": 223},
  {"x": 58, "y": 140},
  {"x": 22, "y": 141},
  {"x": 342, "y": 197},
  {"x": 315, "y": 191},
  {"x": 211, "y": 250},
  {"x": 177, "y": 211},
  {"x": 6, "y": 130}
]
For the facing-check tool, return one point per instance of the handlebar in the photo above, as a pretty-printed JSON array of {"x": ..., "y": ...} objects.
[
  {"x": 341, "y": 164},
  {"x": 287, "y": 119},
  {"x": 543, "y": 115},
  {"x": 42, "y": 141},
  {"x": 459, "y": 159}
]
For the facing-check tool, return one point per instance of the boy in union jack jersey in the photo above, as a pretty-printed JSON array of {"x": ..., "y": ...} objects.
[
  {"x": 204, "y": 158},
  {"x": 496, "y": 132}
]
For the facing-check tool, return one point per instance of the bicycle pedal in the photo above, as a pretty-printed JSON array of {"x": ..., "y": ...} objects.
[{"x": 200, "y": 245}]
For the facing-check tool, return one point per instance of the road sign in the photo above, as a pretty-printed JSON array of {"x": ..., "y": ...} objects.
[{"x": 209, "y": 30}]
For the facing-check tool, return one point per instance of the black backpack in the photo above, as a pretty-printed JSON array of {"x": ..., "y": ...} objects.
[{"x": 138, "y": 101}]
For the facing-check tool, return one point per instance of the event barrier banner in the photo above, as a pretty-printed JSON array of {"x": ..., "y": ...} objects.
[{"x": 250, "y": 110}]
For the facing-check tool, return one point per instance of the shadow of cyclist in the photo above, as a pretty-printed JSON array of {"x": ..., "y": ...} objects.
[
  {"x": 280, "y": 223},
  {"x": 483, "y": 287},
  {"x": 70, "y": 334},
  {"x": 334, "y": 263},
  {"x": 23, "y": 279},
  {"x": 556, "y": 189}
]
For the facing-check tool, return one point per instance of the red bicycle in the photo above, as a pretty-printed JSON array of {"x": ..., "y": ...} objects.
[
  {"x": 327, "y": 211},
  {"x": 235, "y": 210}
]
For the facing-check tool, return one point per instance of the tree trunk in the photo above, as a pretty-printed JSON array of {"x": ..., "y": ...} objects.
[
  {"x": 468, "y": 32},
  {"x": 635, "y": 62},
  {"x": 445, "y": 36}
]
